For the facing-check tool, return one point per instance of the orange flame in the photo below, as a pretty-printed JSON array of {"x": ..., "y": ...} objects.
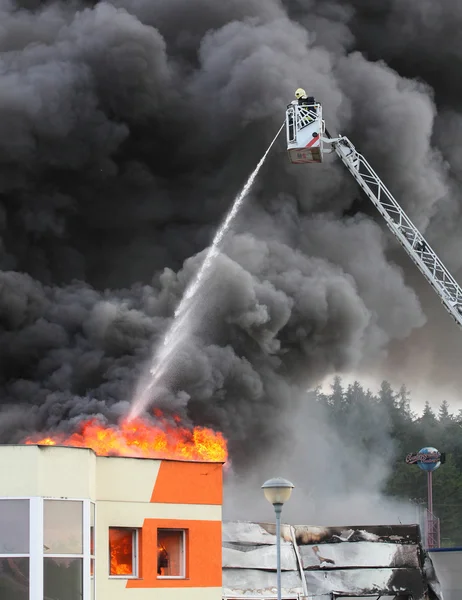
[
  {"x": 121, "y": 551},
  {"x": 139, "y": 438}
]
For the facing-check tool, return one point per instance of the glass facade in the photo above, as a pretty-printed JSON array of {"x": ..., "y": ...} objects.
[{"x": 47, "y": 549}]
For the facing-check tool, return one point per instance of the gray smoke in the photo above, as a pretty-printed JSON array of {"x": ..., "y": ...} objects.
[{"x": 127, "y": 128}]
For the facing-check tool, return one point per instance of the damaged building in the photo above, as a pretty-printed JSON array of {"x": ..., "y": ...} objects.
[
  {"x": 324, "y": 563},
  {"x": 77, "y": 526}
]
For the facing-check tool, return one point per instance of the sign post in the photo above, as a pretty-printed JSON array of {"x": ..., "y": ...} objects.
[{"x": 429, "y": 459}]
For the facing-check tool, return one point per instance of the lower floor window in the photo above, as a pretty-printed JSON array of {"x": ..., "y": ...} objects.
[
  {"x": 63, "y": 578},
  {"x": 123, "y": 552},
  {"x": 14, "y": 578},
  {"x": 171, "y": 553}
]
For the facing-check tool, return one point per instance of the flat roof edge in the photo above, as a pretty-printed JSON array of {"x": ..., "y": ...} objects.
[{"x": 52, "y": 446}]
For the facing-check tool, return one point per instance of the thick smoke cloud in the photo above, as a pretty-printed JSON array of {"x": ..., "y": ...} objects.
[{"x": 126, "y": 129}]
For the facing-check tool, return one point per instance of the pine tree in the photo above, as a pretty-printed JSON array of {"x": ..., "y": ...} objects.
[
  {"x": 387, "y": 397},
  {"x": 404, "y": 403},
  {"x": 337, "y": 397},
  {"x": 444, "y": 416},
  {"x": 428, "y": 415}
]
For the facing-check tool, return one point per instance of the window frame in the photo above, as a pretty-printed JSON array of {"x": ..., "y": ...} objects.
[
  {"x": 29, "y": 554},
  {"x": 20, "y": 555},
  {"x": 135, "y": 552},
  {"x": 183, "y": 552},
  {"x": 84, "y": 530},
  {"x": 89, "y": 580},
  {"x": 37, "y": 555}
]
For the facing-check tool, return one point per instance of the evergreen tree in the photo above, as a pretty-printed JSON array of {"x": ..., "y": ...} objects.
[
  {"x": 428, "y": 415},
  {"x": 389, "y": 414},
  {"x": 387, "y": 397},
  {"x": 404, "y": 404},
  {"x": 444, "y": 416}
]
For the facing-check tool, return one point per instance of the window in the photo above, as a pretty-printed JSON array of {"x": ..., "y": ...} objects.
[
  {"x": 44, "y": 550},
  {"x": 92, "y": 550},
  {"x": 14, "y": 578},
  {"x": 14, "y": 549},
  {"x": 171, "y": 553},
  {"x": 62, "y": 578},
  {"x": 123, "y": 552},
  {"x": 63, "y": 527},
  {"x": 63, "y": 549},
  {"x": 14, "y": 526}
]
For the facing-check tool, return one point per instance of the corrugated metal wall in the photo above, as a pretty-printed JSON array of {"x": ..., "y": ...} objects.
[
  {"x": 317, "y": 562},
  {"x": 448, "y": 567}
]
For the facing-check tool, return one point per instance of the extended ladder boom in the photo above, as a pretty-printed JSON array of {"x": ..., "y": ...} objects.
[{"x": 402, "y": 227}]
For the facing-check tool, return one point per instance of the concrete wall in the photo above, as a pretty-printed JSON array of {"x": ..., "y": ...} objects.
[
  {"x": 137, "y": 493},
  {"x": 47, "y": 471},
  {"x": 448, "y": 567},
  {"x": 131, "y": 493}
]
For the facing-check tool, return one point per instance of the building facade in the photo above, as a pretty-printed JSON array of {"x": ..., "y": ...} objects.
[{"x": 76, "y": 526}]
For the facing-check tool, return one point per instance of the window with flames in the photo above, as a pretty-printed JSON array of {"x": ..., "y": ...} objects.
[{"x": 123, "y": 552}]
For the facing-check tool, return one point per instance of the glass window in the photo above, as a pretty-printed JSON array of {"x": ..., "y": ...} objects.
[
  {"x": 14, "y": 527},
  {"x": 170, "y": 553},
  {"x": 92, "y": 582},
  {"x": 14, "y": 578},
  {"x": 62, "y": 578},
  {"x": 63, "y": 527},
  {"x": 123, "y": 552},
  {"x": 92, "y": 529}
]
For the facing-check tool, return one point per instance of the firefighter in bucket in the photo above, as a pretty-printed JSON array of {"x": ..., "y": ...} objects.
[
  {"x": 303, "y": 100},
  {"x": 304, "y": 129}
]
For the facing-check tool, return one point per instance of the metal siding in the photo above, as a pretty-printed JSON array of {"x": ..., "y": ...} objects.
[{"x": 378, "y": 559}]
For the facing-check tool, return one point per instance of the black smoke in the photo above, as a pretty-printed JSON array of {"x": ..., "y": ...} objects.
[{"x": 127, "y": 128}]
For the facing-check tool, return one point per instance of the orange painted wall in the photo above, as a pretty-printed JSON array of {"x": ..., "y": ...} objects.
[
  {"x": 203, "y": 554},
  {"x": 189, "y": 483}
]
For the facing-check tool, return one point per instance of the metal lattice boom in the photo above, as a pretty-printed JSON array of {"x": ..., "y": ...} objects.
[{"x": 402, "y": 227}]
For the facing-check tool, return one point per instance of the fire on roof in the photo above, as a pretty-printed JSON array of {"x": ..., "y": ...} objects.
[{"x": 323, "y": 563}]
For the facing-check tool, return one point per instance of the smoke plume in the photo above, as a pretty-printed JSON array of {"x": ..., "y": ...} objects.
[{"x": 126, "y": 130}]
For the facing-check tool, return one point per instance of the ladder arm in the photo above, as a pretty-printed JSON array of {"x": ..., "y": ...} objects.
[{"x": 402, "y": 227}]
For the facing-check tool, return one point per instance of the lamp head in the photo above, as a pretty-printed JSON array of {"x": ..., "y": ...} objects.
[{"x": 277, "y": 490}]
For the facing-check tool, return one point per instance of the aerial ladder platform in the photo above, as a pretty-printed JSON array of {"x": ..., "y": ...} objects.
[{"x": 306, "y": 137}]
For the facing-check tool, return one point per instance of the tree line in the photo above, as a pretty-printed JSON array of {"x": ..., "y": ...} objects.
[{"x": 385, "y": 423}]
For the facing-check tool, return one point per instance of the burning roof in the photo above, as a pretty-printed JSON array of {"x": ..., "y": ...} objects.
[
  {"x": 318, "y": 562},
  {"x": 140, "y": 438}
]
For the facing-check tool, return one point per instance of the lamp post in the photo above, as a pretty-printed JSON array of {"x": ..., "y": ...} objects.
[{"x": 277, "y": 491}]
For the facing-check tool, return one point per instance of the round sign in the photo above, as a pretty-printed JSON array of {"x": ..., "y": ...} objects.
[{"x": 429, "y": 459}]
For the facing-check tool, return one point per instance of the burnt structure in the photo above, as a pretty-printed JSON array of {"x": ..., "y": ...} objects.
[{"x": 324, "y": 563}]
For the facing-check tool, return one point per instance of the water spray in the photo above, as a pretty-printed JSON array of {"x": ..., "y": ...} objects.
[{"x": 181, "y": 326}]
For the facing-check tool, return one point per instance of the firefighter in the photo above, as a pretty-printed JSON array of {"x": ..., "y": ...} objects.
[
  {"x": 304, "y": 100},
  {"x": 300, "y": 94},
  {"x": 162, "y": 560}
]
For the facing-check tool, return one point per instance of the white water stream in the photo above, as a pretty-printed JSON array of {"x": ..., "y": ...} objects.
[{"x": 183, "y": 319}]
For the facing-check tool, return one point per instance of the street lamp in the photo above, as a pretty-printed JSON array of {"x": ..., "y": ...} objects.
[{"x": 277, "y": 491}]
